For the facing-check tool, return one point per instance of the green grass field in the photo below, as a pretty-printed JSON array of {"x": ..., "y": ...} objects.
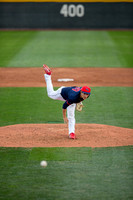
[
  {"x": 72, "y": 173},
  {"x": 66, "y": 48},
  {"x": 31, "y": 105}
]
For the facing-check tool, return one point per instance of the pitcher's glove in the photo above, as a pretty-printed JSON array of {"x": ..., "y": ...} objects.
[{"x": 79, "y": 106}]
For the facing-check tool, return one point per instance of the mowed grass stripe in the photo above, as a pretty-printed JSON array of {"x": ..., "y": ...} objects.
[
  {"x": 124, "y": 44},
  {"x": 11, "y": 44},
  {"x": 66, "y": 48},
  {"x": 106, "y": 105},
  {"x": 72, "y": 173}
]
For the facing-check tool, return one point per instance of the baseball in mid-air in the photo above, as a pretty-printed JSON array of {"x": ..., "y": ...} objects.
[{"x": 43, "y": 163}]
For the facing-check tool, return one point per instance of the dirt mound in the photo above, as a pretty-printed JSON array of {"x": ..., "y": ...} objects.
[{"x": 56, "y": 135}]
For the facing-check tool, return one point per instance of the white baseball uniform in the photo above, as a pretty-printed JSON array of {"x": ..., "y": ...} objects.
[{"x": 57, "y": 96}]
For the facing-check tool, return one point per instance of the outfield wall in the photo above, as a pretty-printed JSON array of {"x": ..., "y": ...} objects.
[{"x": 66, "y": 15}]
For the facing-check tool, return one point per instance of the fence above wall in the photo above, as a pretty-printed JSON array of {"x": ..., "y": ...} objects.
[{"x": 45, "y": 15}]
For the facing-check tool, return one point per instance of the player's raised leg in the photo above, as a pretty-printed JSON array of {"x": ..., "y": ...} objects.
[{"x": 50, "y": 90}]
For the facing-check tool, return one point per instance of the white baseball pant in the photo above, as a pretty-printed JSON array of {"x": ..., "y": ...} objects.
[{"x": 56, "y": 95}]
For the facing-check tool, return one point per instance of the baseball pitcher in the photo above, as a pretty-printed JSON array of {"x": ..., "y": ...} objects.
[{"x": 72, "y": 97}]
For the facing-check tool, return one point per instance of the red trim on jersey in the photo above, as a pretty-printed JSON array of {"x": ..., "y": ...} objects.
[{"x": 67, "y": 102}]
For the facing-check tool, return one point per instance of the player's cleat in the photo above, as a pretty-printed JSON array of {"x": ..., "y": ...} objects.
[
  {"x": 47, "y": 69},
  {"x": 72, "y": 136}
]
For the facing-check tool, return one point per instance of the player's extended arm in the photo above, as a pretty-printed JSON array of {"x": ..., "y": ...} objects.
[{"x": 64, "y": 116}]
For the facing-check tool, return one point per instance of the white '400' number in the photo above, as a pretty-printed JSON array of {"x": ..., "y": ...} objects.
[{"x": 72, "y": 10}]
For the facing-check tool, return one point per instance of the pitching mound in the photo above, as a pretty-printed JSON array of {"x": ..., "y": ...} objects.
[{"x": 56, "y": 135}]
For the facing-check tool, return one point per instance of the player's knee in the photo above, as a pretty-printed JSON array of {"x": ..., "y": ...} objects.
[
  {"x": 50, "y": 96},
  {"x": 71, "y": 117}
]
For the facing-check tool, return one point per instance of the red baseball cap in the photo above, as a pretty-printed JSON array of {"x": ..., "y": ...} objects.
[{"x": 86, "y": 90}]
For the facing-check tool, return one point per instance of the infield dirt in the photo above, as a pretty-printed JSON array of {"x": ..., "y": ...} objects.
[{"x": 93, "y": 77}]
